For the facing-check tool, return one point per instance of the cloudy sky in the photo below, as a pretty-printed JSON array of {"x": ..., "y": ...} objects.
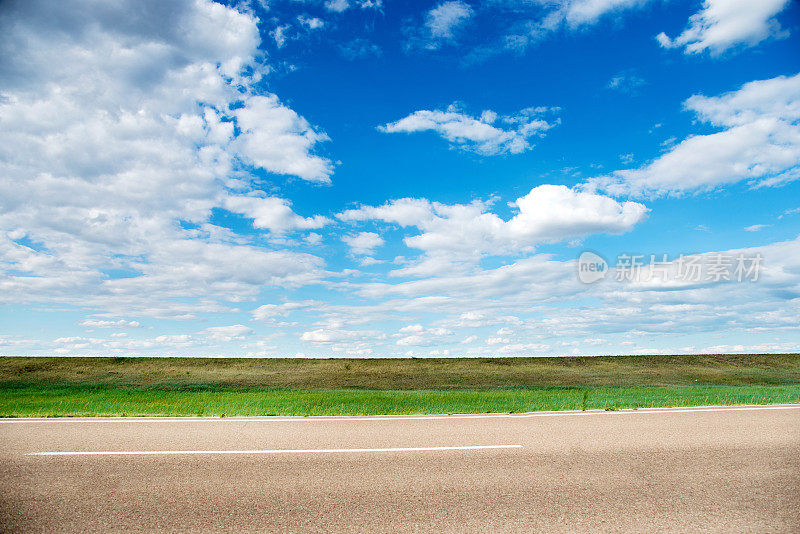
[{"x": 384, "y": 178}]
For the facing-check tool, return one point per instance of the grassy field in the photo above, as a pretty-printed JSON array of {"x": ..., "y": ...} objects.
[
  {"x": 193, "y": 386},
  {"x": 104, "y": 401}
]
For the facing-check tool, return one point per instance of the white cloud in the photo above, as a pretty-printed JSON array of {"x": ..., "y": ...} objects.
[
  {"x": 580, "y": 12},
  {"x": 277, "y": 139},
  {"x": 487, "y": 135},
  {"x": 446, "y": 17},
  {"x": 441, "y": 25},
  {"x": 120, "y": 131},
  {"x": 368, "y": 261},
  {"x": 269, "y": 312},
  {"x": 759, "y": 348},
  {"x": 227, "y": 333},
  {"x": 533, "y": 21},
  {"x": 759, "y": 142},
  {"x": 333, "y": 335},
  {"x": 548, "y": 213},
  {"x": 313, "y": 239},
  {"x": 118, "y": 140},
  {"x": 272, "y": 213},
  {"x": 162, "y": 345},
  {"x": 208, "y": 269},
  {"x": 723, "y": 24},
  {"x": 646, "y": 307},
  {"x": 521, "y": 349},
  {"x": 337, "y": 6},
  {"x": 793, "y": 211},
  {"x": 363, "y": 243},
  {"x": 101, "y": 323},
  {"x": 405, "y": 212},
  {"x": 553, "y": 314},
  {"x": 756, "y": 227},
  {"x": 279, "y": 34},
  {"x": 776, "y": 98},
  {"x": 312, "y": 23},
  {"x": 625, "y": 82},
  {"x": 556, "y": 213},
  {"x": 418, "y": 335}
]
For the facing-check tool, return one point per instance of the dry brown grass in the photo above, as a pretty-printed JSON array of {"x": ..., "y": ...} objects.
[{"x": 404, "y": 374}]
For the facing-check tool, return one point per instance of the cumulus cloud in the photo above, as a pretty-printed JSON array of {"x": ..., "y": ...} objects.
[
  {"x": 724, "y": 24},
  {"x": 271, "y": 213},
  {"x": 487, "y": 135},
  {"x": 332, "y": 335},
  {"x": 227, "y": 333},
  {"x": 417, "y": 335},
  {"x": 548, "y": 213},
  {"x": 363, "y": 243},
  {"x": 758, "y": 141},
  {"x": 122, "y": 126},
  {"x": 270, "y": 312},
  {"x": 277, "y": 139},
  {"x": 556, "y": 213}
]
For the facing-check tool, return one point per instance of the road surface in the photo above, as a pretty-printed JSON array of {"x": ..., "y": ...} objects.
[{"x": 682, "y": 470}]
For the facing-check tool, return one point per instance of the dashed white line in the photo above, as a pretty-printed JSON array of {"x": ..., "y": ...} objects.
[{"x": 273, "y": 451}]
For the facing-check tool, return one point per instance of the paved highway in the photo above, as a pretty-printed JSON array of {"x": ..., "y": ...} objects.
[{"x": 682, "y": 470}]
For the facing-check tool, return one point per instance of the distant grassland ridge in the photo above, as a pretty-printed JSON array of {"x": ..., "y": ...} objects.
[{"x": 403, "y": 373}]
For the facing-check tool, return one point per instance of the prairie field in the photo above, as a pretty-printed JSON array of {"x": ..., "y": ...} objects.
[{"x": 53, "y": 387}]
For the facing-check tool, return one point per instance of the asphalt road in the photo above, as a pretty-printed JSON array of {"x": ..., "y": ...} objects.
[{"x": 690, "y": 470}]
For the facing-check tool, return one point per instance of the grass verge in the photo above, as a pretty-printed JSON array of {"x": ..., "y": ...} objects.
[{"x": 82, "y": 400}]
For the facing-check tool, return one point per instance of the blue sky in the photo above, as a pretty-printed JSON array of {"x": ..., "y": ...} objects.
[{"x": 372, "y": 178}]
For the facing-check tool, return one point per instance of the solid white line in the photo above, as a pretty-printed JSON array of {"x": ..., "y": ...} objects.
[
  {"x": 272, "y": 451},
  {"x": 331, "y": 418}
]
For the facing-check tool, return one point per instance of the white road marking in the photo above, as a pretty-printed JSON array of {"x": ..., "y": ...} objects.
[
  {"x": 289, "y": 419},
  {"x": 272, "y": 451}
]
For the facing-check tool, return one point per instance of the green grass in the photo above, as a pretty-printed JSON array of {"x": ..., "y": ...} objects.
[
  {"x": 53, "y": 387},
  {"x": 37, "y": 401}
]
